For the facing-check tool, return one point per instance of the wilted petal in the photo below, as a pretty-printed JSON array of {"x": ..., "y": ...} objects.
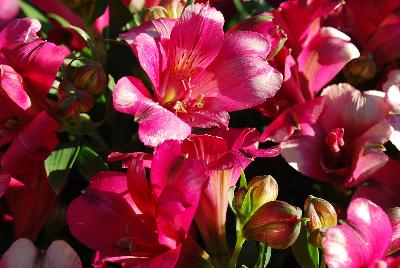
[
  {"x": 156, "y": 124},
  {"x": 324, "y": 57},
  {"x": 362, "y": 240},
  {"x": 241, "y": 64}
]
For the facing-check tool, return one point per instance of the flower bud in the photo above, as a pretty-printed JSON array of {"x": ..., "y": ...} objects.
[
  {"x": 275, "y": 223},
  {"x": 320, "y": 213},
  {"x": 156, "y": 12},
  {"x": 90, "y": 78},
  {"x": 72, "y": 100},
  {"x": 263, "y": 189},
  {"x": 238, "y": 199},
  {"x": 361, "y": 68}
]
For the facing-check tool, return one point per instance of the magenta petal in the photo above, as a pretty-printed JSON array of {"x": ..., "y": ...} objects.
[
  {"x": 60, "y": 254},
  {"x": 5, "y": 180},
  {"x": 241, "y": 64},
  {"x": 362, "y": 240},
  {"x": 177, "y": 181},
  {"x": 156, "y": 124},
  {"x": 22, "y": 253},
  {"x": 291, "y": 119},
  {"x": 8, "y": 10},
  {"x": 26, "y": 28},
  {"x": 11, "y": 84},
  {"x": 394, "y": 121},
  {"x": 188, "y": 52},
  {"x": 325, "y": 56}
]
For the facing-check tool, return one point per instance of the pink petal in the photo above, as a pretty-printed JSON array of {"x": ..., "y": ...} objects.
[
  {"x": 156, "y": 124},
  {"x": 60, "y": 254},
  {"x": 177, "y": 181},
  {"x": 19, "y": 31},
  {"x": 204, "y": 147},
  {"x": 5, "y": 180},
  {"x": 22, "y": 253},
  {"x": 362, "y": 240},
  {"x": 291, "y": 119},
  {"x": 324, "y": 57},
  {"x": 11, "y": 84},
  {"x": 394, "y": 121},
  {"x": 187, "y": 52},
  {"x": 37, "y": 62},
  {"x": 8, "y": 10},
  {"x": 241, "y": 64},
  {"x": 351, "y": 109},
  {"x": 304, "y": 154}
]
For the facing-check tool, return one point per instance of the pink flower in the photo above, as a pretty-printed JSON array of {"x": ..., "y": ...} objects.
[
  {"x": 345, "y": 145},
  {"x": 23, "y": 253},
  {"x": 311, "y": 55},
  {"x": 362, "y": 240},
  {"x": 197, "y": 79},
  {"x": 23, "y": 163},
  {"x": 129, "y": 220},
  {"x": 226, "y": 153},
  {"x": 28, "y": 66}
]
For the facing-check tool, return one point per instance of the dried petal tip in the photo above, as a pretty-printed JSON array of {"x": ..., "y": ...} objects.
[{"x": 276, "y": 223}]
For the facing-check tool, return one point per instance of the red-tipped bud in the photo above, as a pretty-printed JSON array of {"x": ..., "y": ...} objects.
[
  {"x": 276, "y": 223},
  {"x": 263, "y": 189},
  {"x": 90, "y": 78},
  {"x": 72, "y": 100}
]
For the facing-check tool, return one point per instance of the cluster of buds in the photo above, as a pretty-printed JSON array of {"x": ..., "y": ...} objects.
[
  {"x": 75, "y": 94},
  {"x": 167, "y": 9},
  {"x": 265, "y": 219},
  {"x": 321, "y": 216}
]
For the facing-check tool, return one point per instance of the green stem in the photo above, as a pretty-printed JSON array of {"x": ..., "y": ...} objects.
[{"x": 238, "y": 247}]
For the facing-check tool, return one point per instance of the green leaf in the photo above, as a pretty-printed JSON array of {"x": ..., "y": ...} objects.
[
  {"x": 59, "y": 164},
  {"x": 243, "y": 181},
  {"x": 264, "y": 256},
  {"x": 89, "y": 162},
  {"x": 32, "y": 12},
  {"x": 85, "y": 37},
  {"x": 63, "y": 22},
  {"x": 306, "y": 254}
]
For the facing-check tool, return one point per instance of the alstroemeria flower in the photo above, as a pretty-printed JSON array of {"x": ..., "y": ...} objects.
[
  {"x": 311, "y": 55},
  {"x": 197, "y": 78},
  {"x": 24, "y": 160},
  {"x": 226, "y": 153},
  {"x": 345, "y": 145},
  {"x": 362, "y": 240},
  {"x": 23, "y": 253},
  {"x": 129, "y": 220},
  {"x": 28, "y": 65}
]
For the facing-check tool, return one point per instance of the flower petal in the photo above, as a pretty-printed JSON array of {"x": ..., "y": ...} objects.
[
  {"x": 22, "y": 253},
  {"x": 156, "y": 124},
  {"x": 11, "y": 84},
  {"x": 240, "y": 65},
  {"x": 362, "y": 240},
  {"x": 324, "y": 57},
  {"x": 60, "y": 254}
]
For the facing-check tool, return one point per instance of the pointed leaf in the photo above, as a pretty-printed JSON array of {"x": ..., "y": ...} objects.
[
  {"x": 264, "y": 256},
  {"x": 89, "y": 162},
  {"x": 301, "y": 250}
]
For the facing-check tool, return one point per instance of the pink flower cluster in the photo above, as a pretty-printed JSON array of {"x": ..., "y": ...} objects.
[{"x": 324, "y": 74}]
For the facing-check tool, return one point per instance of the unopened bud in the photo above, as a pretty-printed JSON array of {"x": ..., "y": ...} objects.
[
  {"x": 320, "y": 213},
  {"x": 238, "y": 199},
  {"x": 276, "y": 223},
  {"x": 90, "y": 78},
  {"x": 156, "y": 12},
  {"x": 72, "y": 100},
  {"x": 361, "y": 68},
  {"x": 263, "y": 189}
]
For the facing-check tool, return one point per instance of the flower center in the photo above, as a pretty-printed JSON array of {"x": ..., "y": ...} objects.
[{"x": 335, "y": 156}]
